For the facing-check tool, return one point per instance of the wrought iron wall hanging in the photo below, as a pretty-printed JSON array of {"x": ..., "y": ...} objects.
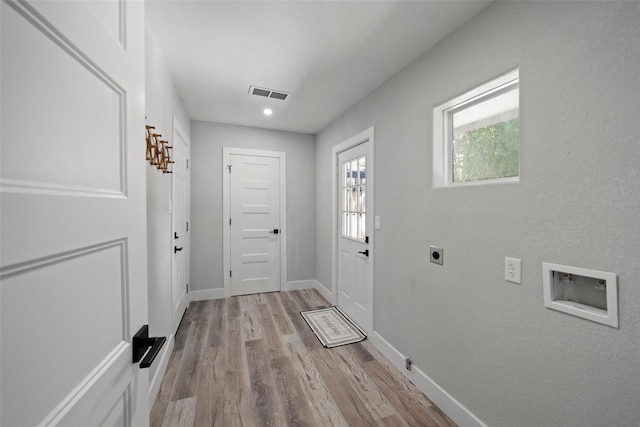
[{"x": 158, "y": 153}]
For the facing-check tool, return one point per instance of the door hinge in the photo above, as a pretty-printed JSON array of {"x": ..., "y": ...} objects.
[
  {"x": 229, "y": 168},
  {"x": 230, "y": 273},
  {"x": 187, "y": 288},
  {"x": 187, "y": 225},
  {"x": 187, "y": 163},
  {"x": 229, "y": 221}
]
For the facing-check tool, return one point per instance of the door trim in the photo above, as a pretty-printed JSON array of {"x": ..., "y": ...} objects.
[
  {"x": 226, "y": 212},
  {"x": 364, "y": 136}
]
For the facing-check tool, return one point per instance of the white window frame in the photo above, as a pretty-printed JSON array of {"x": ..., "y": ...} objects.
[{"x": 442, "y": 131}]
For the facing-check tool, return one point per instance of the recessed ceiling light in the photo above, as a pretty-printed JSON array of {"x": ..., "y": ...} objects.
[{"x": 267, "y": 112}]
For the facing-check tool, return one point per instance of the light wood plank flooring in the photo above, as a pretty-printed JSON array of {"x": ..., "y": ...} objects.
[{"x": 253, "y": 361}]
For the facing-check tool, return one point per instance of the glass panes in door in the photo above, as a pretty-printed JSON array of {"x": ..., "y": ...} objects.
[{"x": 353, "y": 188}]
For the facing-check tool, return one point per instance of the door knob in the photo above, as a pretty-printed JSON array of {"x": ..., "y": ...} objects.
[
  {"x": 177, "y": 249},
  {"x": 141, "y": 342},
  {"x": 365, "y": 252},
  {"x": 275, "y": 231}
]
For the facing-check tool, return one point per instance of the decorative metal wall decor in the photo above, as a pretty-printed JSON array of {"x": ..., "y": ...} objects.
[{"x": 158, "y": 151}]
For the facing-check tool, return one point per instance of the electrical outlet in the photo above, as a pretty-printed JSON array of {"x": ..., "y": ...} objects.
[
  {"x": 513, "y": 270},
  {"x": 436, "y": 255}
]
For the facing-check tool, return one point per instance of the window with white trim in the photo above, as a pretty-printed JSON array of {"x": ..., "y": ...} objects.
[{"x": 476, "y": 135}]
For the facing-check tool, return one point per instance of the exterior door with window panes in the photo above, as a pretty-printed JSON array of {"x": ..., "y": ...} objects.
[{"x": 353, "y": 242}]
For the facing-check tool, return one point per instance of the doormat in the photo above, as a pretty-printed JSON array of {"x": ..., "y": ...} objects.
[{"x": 332, "y": 327}]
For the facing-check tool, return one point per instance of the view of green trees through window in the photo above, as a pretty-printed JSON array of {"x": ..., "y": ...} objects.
[{"x": 487, "y": 153}]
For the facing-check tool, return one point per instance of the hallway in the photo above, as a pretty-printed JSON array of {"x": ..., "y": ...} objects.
[{"x": 253, "y": 361}]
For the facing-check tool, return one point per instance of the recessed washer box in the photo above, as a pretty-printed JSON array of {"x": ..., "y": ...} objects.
[{"x": 589, "y": 294}]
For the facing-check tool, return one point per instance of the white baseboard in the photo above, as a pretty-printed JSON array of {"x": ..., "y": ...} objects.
[
  {"x": 310, "y": 284},
  {"x": 206, "y": 294},
  {"x": 163, "y": 362},
  {"x": 297, "y": 285},
  {"x": 443, "y": 400},
  {"x": 387, "y": 350},
  {"x": 325, "y": 292}
]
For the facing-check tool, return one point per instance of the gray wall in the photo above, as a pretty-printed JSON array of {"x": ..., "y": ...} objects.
[
  {"x": 491, "y": 344},
  {"x": 162, "y": 103},
  {"x": 206, "y": 197}
]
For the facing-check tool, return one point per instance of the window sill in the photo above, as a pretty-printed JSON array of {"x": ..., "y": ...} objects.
[{"x": 479, "y": 183}]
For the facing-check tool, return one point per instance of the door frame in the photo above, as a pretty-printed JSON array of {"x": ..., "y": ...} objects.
[
  {"x": 364, "y": 136},
  {"x": 226, "y": 211}
]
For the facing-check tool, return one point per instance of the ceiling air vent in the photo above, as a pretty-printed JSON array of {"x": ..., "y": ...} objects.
[{"x": 268, "y": 93}]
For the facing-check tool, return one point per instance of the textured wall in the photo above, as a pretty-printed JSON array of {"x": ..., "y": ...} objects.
[
  {"x": 492, "y": 345},
  {"x": 162, "y": 103},
  {"x": 206, "y": 197}
]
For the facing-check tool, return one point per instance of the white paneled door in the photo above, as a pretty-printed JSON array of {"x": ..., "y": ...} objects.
[
  {"x": 73, "y": 271},
  {"x": 354, "y": 268},
  {"x": 180, "y": 213},
  {"x": 256, "y": 236}
]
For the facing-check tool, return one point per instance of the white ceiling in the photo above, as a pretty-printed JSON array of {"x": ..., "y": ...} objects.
[{"x": 327, "y": 54}]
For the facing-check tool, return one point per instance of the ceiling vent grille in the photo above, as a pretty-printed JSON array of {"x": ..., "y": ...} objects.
[{"x": 268, "y": 93}]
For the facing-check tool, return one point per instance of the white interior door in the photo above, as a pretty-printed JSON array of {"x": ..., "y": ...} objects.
[
  {"x": 180, "y": 224},
  {"x": 73, "y": 213},
  {"x": 255, "y": 223},
  {"x": 355, "y": 282}
]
